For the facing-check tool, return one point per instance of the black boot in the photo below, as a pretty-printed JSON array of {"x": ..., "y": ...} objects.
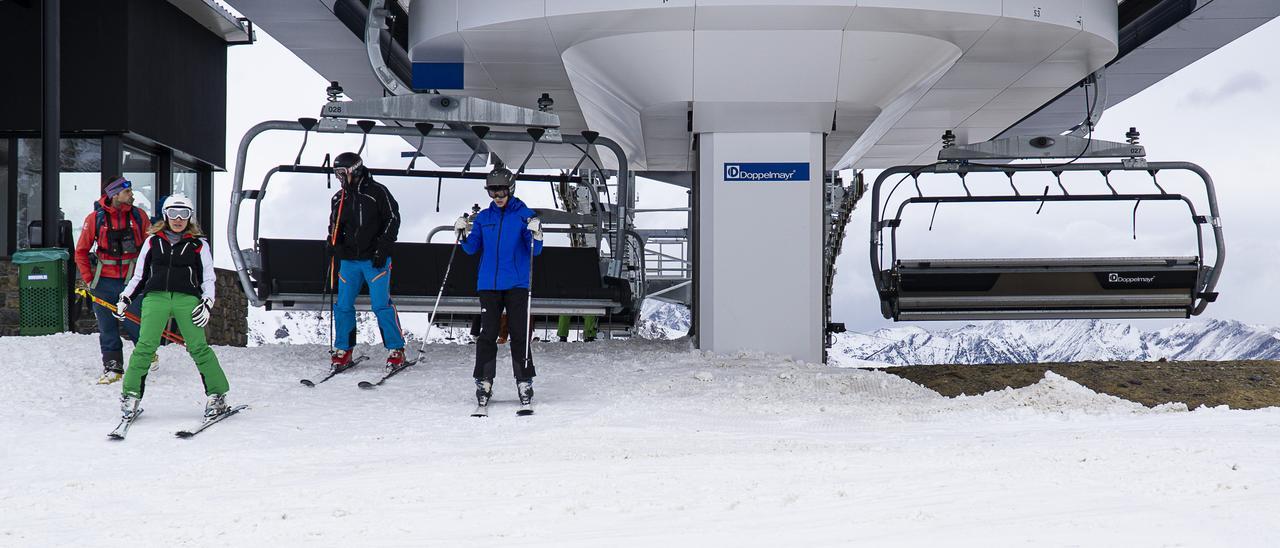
[
  {"x": 484, "y": 391},
  {"x": 525, "y": 390}
]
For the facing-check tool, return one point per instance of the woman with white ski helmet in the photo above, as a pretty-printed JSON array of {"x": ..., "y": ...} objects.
[{"x": 175, "y": 277}]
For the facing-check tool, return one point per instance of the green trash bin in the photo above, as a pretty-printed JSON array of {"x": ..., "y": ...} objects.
[{"x": 42, "y": 290}]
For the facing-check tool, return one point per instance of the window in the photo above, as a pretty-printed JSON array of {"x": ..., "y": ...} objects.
[
  {"x": 4, "y": 197},
  {"x": 186, "y": 182},
  {"x": 140, "y": 168},
  {"x": 79, "y": 182},
  {"x": 29, "y": 192}
]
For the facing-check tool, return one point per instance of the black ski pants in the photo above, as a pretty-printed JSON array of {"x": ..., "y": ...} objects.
[{"x": 515, "y": 302}]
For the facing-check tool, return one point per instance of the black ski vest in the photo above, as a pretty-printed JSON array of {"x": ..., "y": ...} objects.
[{"x": 173, "y": 267}]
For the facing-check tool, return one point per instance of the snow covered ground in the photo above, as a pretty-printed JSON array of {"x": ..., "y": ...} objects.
[{"x": 635, "y": 443}]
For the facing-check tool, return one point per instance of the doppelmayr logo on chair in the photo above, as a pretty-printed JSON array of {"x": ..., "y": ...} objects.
[
  {"x": 1118, "y": 279},
  {"x": 767, "y": 172}
]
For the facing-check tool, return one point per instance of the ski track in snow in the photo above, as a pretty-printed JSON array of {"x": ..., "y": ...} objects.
[{"x": 634, "y": 443}]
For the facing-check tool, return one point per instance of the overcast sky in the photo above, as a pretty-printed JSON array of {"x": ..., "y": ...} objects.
[{"x": 1218, "y": 112}]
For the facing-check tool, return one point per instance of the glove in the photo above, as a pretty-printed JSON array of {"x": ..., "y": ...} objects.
[
  {"x": 82, "y": 284},
  {"x": 462, "y": 226},
  {"x": 382, "y": 253},
  {"x": 200, "y": 315},
  {"x": 121, "y": 306},
  {"x": 535, "y": 226}
]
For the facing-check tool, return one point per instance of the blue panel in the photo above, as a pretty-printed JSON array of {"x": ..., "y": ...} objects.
[
  {"x": 437, "y": 76},
  {"x": 766, "y": 172}
]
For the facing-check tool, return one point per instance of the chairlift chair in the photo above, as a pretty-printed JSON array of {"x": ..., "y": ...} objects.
[
  {"x": 1043, "y": 288},
  {"x": 288, "y": 274}
]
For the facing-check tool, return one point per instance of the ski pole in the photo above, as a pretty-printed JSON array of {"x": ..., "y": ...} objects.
[
  {"x": 528, "y": 312},
  {"x": 128, "y": 315},
  {"x": 431, "y": 320},
  {"x": 328, "y": 282}
]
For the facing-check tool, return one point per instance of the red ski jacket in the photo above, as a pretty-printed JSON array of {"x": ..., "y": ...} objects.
[{"x": 117, "y": 235}]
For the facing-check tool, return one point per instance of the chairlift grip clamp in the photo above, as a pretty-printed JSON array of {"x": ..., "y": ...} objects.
[{"x": 331, "y": 125}]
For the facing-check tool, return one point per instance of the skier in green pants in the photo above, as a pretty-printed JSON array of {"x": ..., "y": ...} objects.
[{"x": 175, "y": 274}]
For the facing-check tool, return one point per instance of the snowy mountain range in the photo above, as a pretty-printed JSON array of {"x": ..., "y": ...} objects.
[
  {"x": 662, "y": 320},
  {"x": 991, "y": 342},
  {"x": 1058, "y": 341}
]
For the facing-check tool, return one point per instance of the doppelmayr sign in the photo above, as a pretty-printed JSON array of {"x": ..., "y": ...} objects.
[{"x": 767, "y": 172}]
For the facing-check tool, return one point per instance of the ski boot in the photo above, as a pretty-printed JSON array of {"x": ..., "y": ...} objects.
[
  {"x": 155, "y": 362},
  {"x": 395, "y": 359},
  {"x": 484, "y": 391},
  {"x": 525, "y": 390},
  {"x": 564, "y": 339},
  {"x": 216, "y": 405},
  {"x": 112, "y": 370},
  {"x": 341, "y": 360},
  {"x": 129, "y": 407}
]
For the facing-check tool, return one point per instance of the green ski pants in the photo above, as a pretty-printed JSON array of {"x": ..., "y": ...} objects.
[
  {"x": 157, "y": 308},
  {"x": 588, "y": 326}
]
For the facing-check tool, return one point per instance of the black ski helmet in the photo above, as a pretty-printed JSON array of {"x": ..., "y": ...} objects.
[
  {"x": 354, "y": 162},
  {"x": 501, "y": 177}
]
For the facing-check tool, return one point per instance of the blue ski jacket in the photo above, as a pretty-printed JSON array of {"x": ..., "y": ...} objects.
[{"x": 503, "y": 240}]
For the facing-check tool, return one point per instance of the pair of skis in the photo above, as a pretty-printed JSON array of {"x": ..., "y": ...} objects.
[
  {"x": 525, "y": 410},
  {"x": 363, "y": 384},
  {"x": 121, "y": 430},
  {"x": 334, "y": 371},
  {"x": 480, "y": 411}
]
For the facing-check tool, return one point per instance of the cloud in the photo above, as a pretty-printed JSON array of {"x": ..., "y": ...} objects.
[{"x": 1238, "y": 84}]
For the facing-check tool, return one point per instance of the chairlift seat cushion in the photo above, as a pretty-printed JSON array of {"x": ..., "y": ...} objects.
[
  {"x": 1114, "y": 287},
  {"x": 299, "y": 266}
]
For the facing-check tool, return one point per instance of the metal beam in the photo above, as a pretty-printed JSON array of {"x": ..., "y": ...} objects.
[
  {"x": 440, "y": 109},
  {"x": 51, "y": 127}
]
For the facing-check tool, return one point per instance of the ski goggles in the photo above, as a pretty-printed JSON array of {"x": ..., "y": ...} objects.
[
  {"x": 498, "y": 191},
  {"x": 343, "y": 171},
  {"x": 178, "y": 213},
  {"x": 117, "y": 186}
]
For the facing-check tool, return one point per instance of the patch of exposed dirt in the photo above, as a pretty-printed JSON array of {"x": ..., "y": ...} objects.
[{"x": 1238, "y": 384}]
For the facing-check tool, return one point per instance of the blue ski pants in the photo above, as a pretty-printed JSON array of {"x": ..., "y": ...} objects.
[
  {"x": 352, "y": 275},
  {"x": 108, "y": 289}
]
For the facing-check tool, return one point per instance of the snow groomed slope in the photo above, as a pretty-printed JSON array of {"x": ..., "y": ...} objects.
[{"x": 634, "y": 443}]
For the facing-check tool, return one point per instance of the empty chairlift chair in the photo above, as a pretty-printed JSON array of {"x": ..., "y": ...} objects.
[{"x": 1043, "y": 288}]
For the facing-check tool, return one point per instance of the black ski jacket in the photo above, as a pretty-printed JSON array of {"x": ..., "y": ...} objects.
[{"x": 367, "y": 219}]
